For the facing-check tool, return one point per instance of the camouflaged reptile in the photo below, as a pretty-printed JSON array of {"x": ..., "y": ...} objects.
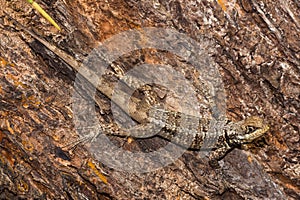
[{"x": 229, "y": 134}]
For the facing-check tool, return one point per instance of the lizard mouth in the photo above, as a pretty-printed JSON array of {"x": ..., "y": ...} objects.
[{"x": 258, "y": 132}]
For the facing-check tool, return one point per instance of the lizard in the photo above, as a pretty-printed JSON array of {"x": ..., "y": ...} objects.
[{"x": 230, "y": 134}]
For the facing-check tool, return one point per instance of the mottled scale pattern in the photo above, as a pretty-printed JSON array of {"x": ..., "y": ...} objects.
[{"x": 180, "y": 128}]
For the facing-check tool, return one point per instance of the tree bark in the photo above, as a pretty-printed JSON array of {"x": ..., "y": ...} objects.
[{"x": 256, "y": 45}]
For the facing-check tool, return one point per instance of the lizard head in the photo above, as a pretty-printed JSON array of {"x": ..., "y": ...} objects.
[{"x": 246, "y": 131}]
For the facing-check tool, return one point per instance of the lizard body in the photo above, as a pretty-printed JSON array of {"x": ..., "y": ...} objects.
[{"x": 229, "y": 134}]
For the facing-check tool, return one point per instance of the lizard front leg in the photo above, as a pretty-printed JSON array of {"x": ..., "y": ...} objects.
[{"x": 218, "y": 154}]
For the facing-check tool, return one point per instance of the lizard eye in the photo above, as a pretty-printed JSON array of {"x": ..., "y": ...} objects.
[{"x": 250, "y": 129}]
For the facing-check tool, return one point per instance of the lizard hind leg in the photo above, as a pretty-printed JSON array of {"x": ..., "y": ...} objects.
[
  {"x": 87, "y": 136},
  {"x": 71, "y": 146}
]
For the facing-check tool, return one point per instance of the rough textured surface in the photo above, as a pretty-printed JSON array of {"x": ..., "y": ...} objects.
[{"x": 257, "y": 49}]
